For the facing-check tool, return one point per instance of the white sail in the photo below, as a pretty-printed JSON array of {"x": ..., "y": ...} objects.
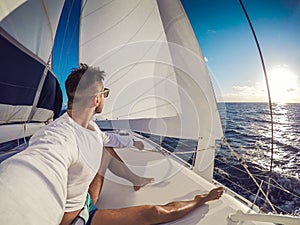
[
  {"x": 130, "y": 59},
  {"x": 159, "y": 84},
  {"x": 154, "y": 68},
  {"x": 19, "y": 20}
]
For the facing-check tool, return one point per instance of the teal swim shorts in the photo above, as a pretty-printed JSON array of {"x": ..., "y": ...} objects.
[{"x": 86, "y": 214}]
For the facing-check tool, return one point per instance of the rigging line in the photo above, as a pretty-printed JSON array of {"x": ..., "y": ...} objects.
[
  {"x": 260, "y": 178},
  {"x": 248, "y": 191},
  {"x": 194, "y": 150},
  {"x": 269, "y": 93},
  {"x": 257, "y": 195},
  {"x": 183, "y": 152},
  {"x": 249, "y": 173},
  {"x": 237, "y": 184},
  {"x": 240, "y": 170},
  {"x": 39, "y": 89},
  {"x": 285, "y": 189},
  {"x": 179, "y": 152},
  {"x": 179, "y": 141},
  {"x": 237, "y": 177},
  {"x": 165, "y": 152},
  {"x": 231, "y": 166}
]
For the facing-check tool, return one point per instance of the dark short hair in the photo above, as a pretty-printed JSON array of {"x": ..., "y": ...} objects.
[{"x": 81, "y": 80}]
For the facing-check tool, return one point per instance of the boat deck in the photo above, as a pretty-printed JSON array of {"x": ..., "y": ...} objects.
[{"x": 173, "y": 182}]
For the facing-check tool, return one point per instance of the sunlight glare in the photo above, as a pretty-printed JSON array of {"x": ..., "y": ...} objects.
[{"x": 283, "y": 84}]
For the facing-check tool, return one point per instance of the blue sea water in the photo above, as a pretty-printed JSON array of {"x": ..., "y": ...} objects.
[{"x": 247, "y": 127}]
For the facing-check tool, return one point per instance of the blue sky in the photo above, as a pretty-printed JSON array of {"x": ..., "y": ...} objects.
[{"x": 227, "y": 42}]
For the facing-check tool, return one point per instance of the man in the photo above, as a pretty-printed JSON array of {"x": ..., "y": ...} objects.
[{"x": 48, "y": 183}]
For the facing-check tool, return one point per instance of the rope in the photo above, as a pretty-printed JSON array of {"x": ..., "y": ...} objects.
[
  {"x": 278, "y": 186},
  {"x": 257, "y": 193},
  {"x": 194, "y": 151},
  {"x": 249, "y": 173},
  {"x": 284, "y": 189},
  {"x": 269, "y": 93},
  {"x": 246, "y": 190}
]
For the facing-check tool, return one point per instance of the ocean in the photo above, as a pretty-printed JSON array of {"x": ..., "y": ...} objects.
[{"x": 247, "y": 128}]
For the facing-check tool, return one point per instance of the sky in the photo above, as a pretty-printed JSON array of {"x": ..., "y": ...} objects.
[{"x": 229, "y": 48}]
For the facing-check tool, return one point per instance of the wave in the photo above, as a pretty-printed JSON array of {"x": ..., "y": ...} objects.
[{"x": 248, "y": 130}]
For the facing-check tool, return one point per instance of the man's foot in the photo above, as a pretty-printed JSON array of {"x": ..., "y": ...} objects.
[
  {"x": 141, "y": 182},
  {"x": 214, "y": 194}
]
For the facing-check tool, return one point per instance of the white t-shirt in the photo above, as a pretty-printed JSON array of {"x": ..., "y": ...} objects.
[{"x": 52, "y": 175}]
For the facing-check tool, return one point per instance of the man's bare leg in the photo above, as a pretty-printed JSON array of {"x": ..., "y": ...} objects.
[
  {"x": 95, "y": 187},
  {"x": 119, "y": 168},
  {"x": 111, "y": 160},
  {"x": 153, "y": 214}
]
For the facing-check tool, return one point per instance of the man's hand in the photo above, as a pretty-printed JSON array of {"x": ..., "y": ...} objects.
[{"x": 138, "y": 144}]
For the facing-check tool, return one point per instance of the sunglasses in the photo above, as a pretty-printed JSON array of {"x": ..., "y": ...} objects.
[{"x": 105, "y": 92}]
